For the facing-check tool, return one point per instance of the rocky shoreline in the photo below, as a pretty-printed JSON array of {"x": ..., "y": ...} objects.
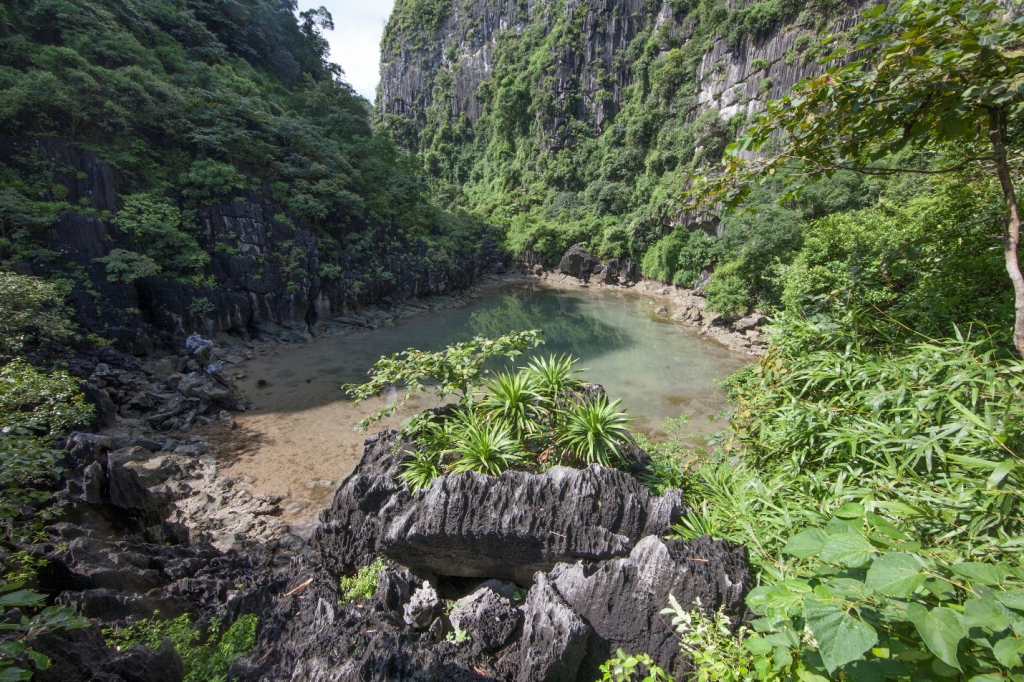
[
  {"x": 579, "y": 269},
  {"x": 153, "y": 522}
]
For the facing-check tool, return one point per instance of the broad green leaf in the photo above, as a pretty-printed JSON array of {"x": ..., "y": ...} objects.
[
  {"x": 14, "y": 674},
  {"x": 986, "y": 613},
  {"x": 941, "y": 629},
  {"x": 1013, "y": 599},
  {"x": 848, "y": 549},
  {"x": 841, "y": 636},
  {"x": 1008, "y": 651},
  {"x": 896, "y": 575},
  {"x": 758, "y": 646},
  {"x": 806, "y": 544},
  {"x": 850, "y": 510},
  {"x": 986, "y": 574}
]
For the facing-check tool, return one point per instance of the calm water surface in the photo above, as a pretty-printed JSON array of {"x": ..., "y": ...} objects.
[{"x": 660, "y": 369}]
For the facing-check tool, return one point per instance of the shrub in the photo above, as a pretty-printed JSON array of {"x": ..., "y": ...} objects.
[
  {"x": 482, "y": 448},
  {"x": 592, "y": 431},
  {"x": 679, "y": 257},
  {"x": 364, "y": 583},
  {"x": 727, "y": 293},
  {"x": 128, "y": 266},
  {"x": 160, "y": 232},
  {"x": 206, "y": 654},
  {"x": 512, "y": 400},
  {"x": 31, "y": 310},
  {"x": 209, "y": 182}
]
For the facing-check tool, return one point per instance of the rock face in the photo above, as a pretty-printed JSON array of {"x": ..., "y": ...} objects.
[
  {"x": 474, "y": 526},
  {"x": 583, "y": 548},
  {"x": 587, "y": 79},
  {"x": 266, "y": 272},
  {"x": 82, "y": 656}
]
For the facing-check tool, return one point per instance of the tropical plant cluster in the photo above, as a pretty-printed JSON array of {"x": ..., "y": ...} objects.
[
  {"x": 194, "y": 105},
  {"x": 876, "y": 488},
  {"x": 538, "y": 416},
  {"x": 206, "y": 652}
]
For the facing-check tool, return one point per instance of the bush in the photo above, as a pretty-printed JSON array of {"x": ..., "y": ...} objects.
[
  {"x": 727, "y": 292},
  {"x": 209, "y": 182},
  {"x": 877, "y": 492},
  {"x": 158, "y": 231},
  {"x": 31, "y": 310},
  {"x": 363, "y": 584},
  {"x": 680, "y": 257},
  {"x": 206, "y": 653},
  {"x": 128, "y": 266}
]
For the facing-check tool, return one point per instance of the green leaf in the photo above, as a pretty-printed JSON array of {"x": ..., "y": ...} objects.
[
  {"x": 14, "y": 674},
  {"x": 806, "y": 544},
  {"x": 986, "y": 613},
  {"x": 1013, "y": 599},
  {"x": 941, "y": 629},
  {"x": 850, "y": 510},
  {"x": 896, "y": 575},
  {"x": 847, "y": 549},
  {"x": 1008, "y": 651},
  {"x": 985, "y": 574},
  {"x": 841, "y": 637},
  {"x": 758, "y": 646}
]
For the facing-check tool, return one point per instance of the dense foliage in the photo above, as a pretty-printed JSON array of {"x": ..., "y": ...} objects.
[
  {"x": 206, "y": 653},
  {"x": 539, "y": 416},
  {"x": 198, "y": 103},
  {"x": 552, "y": 171},
  {"x": 37, "y": 407},
  {"x": 911, "y": 77}
]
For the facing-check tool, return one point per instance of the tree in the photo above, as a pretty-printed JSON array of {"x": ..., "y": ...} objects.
[
  {"x": 927, "y": 73},
  {"x": 31, "y": 310}
]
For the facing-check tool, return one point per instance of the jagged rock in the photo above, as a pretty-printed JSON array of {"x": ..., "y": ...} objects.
[
  {"x": 512, "y": 526},
  {"x": 423, "y": 607},
  {"x": 749, "y": 323},
  {"x": 83, "y": 656},
  {"x": 472, "y": 525},
  {"x": 577, "y": 262},
  {"x": 349, "y": 531},
  {"x": 84, "y": 448},
  {"x": 202, "y": 386},
  {"x": 488, "y": 617},
  {"x": 199, "y": 348},
  {"x": 622, "y": 598},
  {"x": 629, "y": 271},
  {"x": 554, "y": 640}
]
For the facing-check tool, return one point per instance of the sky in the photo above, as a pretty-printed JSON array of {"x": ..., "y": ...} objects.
[{"x": 355, "y": 40}]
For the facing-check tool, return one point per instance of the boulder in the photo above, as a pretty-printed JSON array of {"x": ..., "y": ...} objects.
[
  {"x": 475, "y": 526},
  {"x": 517, "y": 524},
  {"x": 577, "y": 263},
  {"x": 489, "y": 618},
  {"x": 749, "y": 323},
  {"x": 199, "y": 348},
  {"x": 554, "y": 640},
  {"x": 629, "y": 271},
  {"x": 621, "y": 600},
  {"x": 83, "y": 656}
]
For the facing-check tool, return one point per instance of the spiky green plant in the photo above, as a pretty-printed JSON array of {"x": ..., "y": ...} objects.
[
  {"x": 486, "y": 448},
  {"x": 422, "y": 468},
  {"x": 553, "y": 376},
  {"x": 592, "y": 431},
  {"x": 513, "y": 399}
]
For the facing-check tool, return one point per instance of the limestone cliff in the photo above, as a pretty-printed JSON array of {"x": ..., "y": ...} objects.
[{"x": 569, "y": 121}]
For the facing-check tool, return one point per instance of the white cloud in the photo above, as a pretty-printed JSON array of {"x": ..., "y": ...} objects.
[{"x": 355, "y": 40}]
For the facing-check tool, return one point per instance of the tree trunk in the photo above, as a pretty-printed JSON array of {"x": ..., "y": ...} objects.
[{"x": 1011, "y": 227}]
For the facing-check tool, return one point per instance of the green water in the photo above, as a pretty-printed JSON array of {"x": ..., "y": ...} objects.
[{"x": 658, "y": 368}]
